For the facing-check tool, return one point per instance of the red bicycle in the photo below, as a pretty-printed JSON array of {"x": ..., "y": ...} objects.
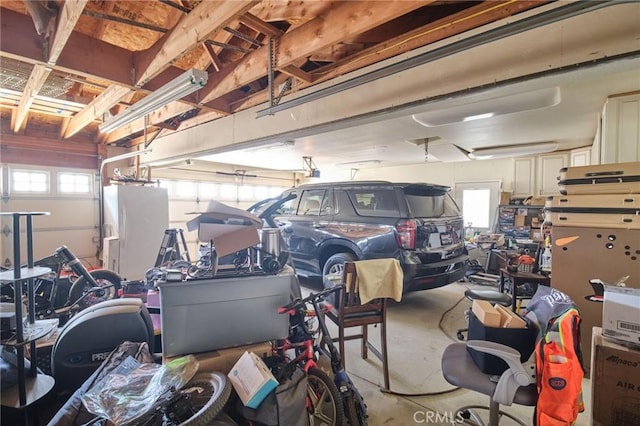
[{"x": 324, "y": 402}]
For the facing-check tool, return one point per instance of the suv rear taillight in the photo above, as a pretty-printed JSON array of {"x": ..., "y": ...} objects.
[{"x": 406, "y": 234}]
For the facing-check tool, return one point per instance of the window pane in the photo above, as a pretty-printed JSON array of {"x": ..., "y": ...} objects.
[
  {"x": 74, "y": 183},
  {"x": 245, "y": 193},
  {"x": 475, "y": 207},
  {"x": 261, "y": 192},
  {"x": 274, "y": 191},
  {"x": 228, "y": 191},
  {"x": 208, "y": 190},
  {"x": 28, "y": 181},
  {"x": 186, "y": 189}
]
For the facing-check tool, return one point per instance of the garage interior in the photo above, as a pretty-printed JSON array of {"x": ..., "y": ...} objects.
[{"x": 495, "y": 96}]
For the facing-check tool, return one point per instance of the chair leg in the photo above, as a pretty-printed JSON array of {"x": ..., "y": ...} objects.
[
  {"x": 383, "y": 346},
  {"x": 494, "y": 413},
  {"x": 343, "y": 354},
  {"x": 365, "y": 340}
]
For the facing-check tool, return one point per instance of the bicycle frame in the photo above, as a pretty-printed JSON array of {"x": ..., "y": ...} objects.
[{"x": 315, "y": 341}]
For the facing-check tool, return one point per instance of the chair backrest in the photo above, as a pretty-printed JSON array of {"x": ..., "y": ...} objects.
[
  {"x": 90, "y": 336},
  {"x": 350, "y": 301}
]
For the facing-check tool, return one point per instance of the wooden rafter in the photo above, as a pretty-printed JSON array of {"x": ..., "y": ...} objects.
[
  {"x": 473, "y": 17},
  {"x": 112, "y": 95},
  {"x": 318, "y": 33},
  {"x": 36, "y": 80},
  {"x": 191, "y": 30},
  {"x": 67, "y": 19},
  {"x": 156, "y": 117},
  {"x": 259, "y": 25}
]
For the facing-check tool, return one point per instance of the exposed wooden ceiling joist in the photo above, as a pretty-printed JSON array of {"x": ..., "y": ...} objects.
[
  {"x": 101, "y": 104},
  {"x": 191, "y": 30},
  {"x": 67, "y": 19},
  {"x": 113, "y": 48},
  {"x": 36, "y": 80},
  {"x": 327, "y": 29}
]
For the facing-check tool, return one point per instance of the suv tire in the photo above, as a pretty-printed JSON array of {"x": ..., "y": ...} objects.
[{"x": 335, "y": 264}]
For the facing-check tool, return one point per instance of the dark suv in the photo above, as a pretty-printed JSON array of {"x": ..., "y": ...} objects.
[{"x": 328, "y": 224}]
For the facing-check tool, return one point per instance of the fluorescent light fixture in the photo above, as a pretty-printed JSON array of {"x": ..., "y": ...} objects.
[
  {"x": 469, "y": 111},
  {"x": 177, "y": 88},
  {"x": 124, "y": 156},
  {"x": 478, "y": 116},
  {"x": 360, "y": 163},
  {"x": 512, "y": 150}
]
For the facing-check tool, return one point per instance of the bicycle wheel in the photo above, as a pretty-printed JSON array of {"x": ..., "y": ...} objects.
[
  {"x": 353, "y": 410},
  {"x": 103, "y": 277},
  {"x": 325, "y": 406},
  {"x": 196, "y": 404},
  {"x": 208, "y": 394}
]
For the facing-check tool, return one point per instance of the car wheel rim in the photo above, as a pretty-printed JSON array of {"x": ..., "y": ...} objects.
[{"x": 336, "y": 269}]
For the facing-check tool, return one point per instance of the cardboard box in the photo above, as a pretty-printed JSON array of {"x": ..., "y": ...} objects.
[
  {"x": 229, "y": 228},
  {"x": 582, "y": 254},
  {"x": 509, "y": 319},
  {"x": 252, "y": 380},
  {"x": 615, "y": 383},
  {"x": 505, "y": 198},
  {"x": 621, "y": 314},
  {"x": 223, "y": 360},
  {"x": 486, "y": 313},
  {"x": 519, "y": 220},
  {"x": 521, "y": 339}
]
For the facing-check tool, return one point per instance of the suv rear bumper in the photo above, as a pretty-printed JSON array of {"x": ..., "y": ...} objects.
[{"x": 423, "y": 277}]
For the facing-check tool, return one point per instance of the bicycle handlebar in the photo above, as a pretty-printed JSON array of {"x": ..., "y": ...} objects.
[{"x": 313, "y": 296}]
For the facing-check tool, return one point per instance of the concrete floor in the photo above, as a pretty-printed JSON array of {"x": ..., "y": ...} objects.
[{"x": 415, "y": 344}]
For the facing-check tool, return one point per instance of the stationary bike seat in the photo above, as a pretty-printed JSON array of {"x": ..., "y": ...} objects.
[{"x": 492, "y": 296}]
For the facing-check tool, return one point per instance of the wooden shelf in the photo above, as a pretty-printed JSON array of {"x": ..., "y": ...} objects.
[{"x": 36, "y": 388}]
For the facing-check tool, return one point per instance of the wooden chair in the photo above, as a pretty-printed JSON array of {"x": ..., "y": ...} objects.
[{"x": 349, "y": 312}]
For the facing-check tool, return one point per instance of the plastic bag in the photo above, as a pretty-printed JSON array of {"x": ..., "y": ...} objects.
[{"x": 132, "y": 388}]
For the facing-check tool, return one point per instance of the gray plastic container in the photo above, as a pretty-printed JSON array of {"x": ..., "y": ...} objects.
[{"x": 210, "y": 314}]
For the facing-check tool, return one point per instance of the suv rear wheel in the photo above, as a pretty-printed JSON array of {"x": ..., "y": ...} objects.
[{"x": 335, "y": 264}]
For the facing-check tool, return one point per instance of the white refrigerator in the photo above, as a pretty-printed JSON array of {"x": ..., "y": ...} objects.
[{"x": 135, "y": 218}]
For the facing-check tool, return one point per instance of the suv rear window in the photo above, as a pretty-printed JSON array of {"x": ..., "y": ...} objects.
[
  {"x": 374, "y": 202},
  {"x": 431, "y": 205}
]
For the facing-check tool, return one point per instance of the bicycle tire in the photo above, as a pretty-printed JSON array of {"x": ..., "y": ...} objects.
[
  {"x": 197, "y": 411},
  {"x": 321, "y": 388},
  {"x": 214, "y": 403},
  {"x": 81, "y": 285}
]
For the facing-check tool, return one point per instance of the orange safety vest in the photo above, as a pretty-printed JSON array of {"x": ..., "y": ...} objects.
[{"x": 559, "y": 372}]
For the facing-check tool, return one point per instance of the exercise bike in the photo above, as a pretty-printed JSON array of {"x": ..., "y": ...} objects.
[{"x": 69, "y": 287}]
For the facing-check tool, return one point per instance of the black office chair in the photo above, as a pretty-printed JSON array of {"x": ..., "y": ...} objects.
[
  {"x": 516, "y": 385},
  {"x": 88, "y": 338}
]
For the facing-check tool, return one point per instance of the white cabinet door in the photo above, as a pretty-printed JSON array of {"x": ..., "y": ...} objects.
[
  {"x": 580, "y": 157},
  {"x": 549, "y": 166},
  {"x": 524, "y": 177},
  {"x": 621, "y": 130}
]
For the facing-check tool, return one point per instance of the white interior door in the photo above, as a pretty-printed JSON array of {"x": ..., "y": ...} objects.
[{"x": 479, "y": 203}]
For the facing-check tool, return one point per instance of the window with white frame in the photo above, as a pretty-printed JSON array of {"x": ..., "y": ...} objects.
[
  {"x": 207, "y": 190},
  {"x": 479, "y": 203},
  {"x": 186, "y": 189},
  {"x": 74, "y": 183},
  {"x": 246, "y": 193},
  {"x": 169, "y": 185},
  {"x": 228, "y": 192},
  {"x": 29, "y": 181}
]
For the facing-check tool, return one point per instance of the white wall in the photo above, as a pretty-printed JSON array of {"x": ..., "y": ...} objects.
[
  {"x": 440, "y": 173},
  {"x": 73, "y": 219}
]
